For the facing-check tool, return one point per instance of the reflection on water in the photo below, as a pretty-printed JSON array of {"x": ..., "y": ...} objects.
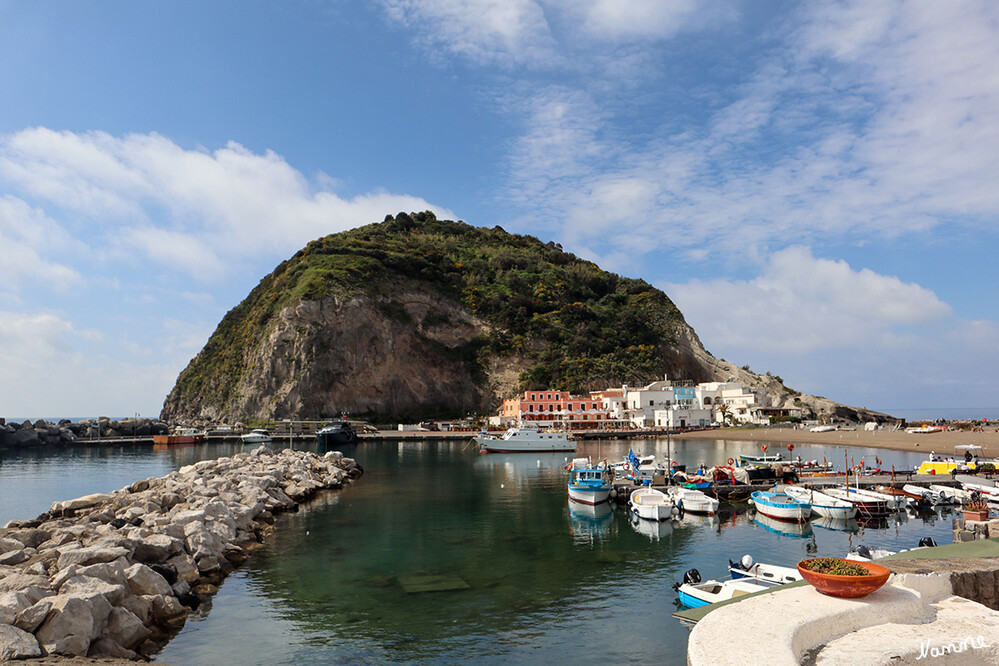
[
  {"x": 589, "y": 522},
  {"x": 783, "y": 527},
  {"x": 440, "y": 554}
]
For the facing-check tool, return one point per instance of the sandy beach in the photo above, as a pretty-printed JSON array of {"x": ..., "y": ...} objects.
[{"x": 898, "y": 440}]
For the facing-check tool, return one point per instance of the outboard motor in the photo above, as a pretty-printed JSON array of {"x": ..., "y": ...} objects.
[
  {"x": 692, "y": 577},
  {"x": 747, "y": 562},
  {"x": 927, "y": 542},
  {"x": 864, "y": 551}
]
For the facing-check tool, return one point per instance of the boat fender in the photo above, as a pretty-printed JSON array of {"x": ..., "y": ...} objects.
[
  {"x": 692, "y": 577},
  {"x": 927, "y": 542},
  {"x": 730, "y": 461}
]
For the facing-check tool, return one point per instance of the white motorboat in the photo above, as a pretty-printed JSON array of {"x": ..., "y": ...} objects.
[
  {"x": 650, "y": 504},
  {"x": 257, "y": 436},
  {"x": 694, "y": 593},
  {"x": 526, "y": 437},
  {"x": 823, "y": 505},
  {"x": 764, "y": 574},
  {"x": 866, "y": 506},
  {"x": 692, "y": 501}
]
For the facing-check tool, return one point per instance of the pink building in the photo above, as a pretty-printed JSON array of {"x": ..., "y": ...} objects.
[{"x": 557, "y": 407}]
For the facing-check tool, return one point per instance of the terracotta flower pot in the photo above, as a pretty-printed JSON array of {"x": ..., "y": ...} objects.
[
  {"x": 976, "y": 515},
  {"x": 850, "y": 587}
]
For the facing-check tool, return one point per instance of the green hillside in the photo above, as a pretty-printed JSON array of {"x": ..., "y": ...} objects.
[{"x": 580, "y": 327}]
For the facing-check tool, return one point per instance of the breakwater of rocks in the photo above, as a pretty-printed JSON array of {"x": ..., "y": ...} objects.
[
  {"x": 116, "y": 574},
  {"x": 69, "y": 433}
]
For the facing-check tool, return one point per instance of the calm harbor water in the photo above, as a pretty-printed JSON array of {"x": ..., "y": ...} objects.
[{"x": 530, "y": 578}]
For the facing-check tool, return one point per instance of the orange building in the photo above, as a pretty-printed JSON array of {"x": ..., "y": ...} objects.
[{"x": 556, "y": 407}]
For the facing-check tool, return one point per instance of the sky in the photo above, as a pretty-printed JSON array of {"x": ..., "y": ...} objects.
[{"x": 816, "y": 185}]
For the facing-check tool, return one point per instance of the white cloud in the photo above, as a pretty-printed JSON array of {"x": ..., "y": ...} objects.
[
  {"x": 868, "y": 120},
  {"x": 190, "y": 209},
  {"x": 27, "y": 235},
  {"x": 484, "y": 31},
  {"x": 801, "y": 305},
  {"x": 643, "y": 19}
]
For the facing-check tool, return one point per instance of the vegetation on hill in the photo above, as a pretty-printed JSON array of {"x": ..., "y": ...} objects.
[{"x": 580, "y": 327}]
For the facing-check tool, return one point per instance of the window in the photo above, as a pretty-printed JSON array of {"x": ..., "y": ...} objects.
[{"x": 530, "y": 408}]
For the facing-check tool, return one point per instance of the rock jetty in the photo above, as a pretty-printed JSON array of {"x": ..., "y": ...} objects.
[
  {"x": 68, "y": 433},
  {"x": 116, "y": 574}
]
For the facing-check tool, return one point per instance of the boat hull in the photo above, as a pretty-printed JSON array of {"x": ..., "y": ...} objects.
[
  {"x": 178, "y": 440},
  {"x": 591, "y": 495},
  {"x": 650, "y": 504},
  {"x": 781, "y": 507},
  {"x": 336, "y": 438}
]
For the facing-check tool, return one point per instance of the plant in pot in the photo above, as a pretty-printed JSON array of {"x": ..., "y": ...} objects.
[
  {"x": 987, "y": 469},
  {"x": 838, "y": 577},
  {"x": 976, "y": 510}
]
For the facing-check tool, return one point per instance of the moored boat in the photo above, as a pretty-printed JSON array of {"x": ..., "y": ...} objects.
[
  {"x": 181, "y": 436},
  {"x": 588, "y": 483},
  {"x": 945, "y": 496},
  {"x": 526, "y": 437},
  {"x": 257, "y": 436},
  {"x": 692, "y": 501},
  {"x": 764, "y": 574},
  {"x": 650, "y": 504},
  {"x": 694, "y": 593},
  {"x": 336, "y": 433},
  {"x": 823, "y": 505},
  {"x": 781, "y": 506},
  {"x": 866, "y": 506}
]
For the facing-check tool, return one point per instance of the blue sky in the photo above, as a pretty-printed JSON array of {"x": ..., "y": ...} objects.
[{"x": 815, "y": 185}]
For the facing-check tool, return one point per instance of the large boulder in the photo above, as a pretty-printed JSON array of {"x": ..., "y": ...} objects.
[
  {"x": 125, "y": 628},
  {"x": 72, "y": 623},
  {"x": 12, "y": 603},
  {"x": 156, "y": 548},
  {"x": 91, "y": 555},
  {"x": 87, "y": 586},
  {"x": 84, "y": 502},
  {"x": 144, "y": 581},
  {"x": 17, "y": 644}
]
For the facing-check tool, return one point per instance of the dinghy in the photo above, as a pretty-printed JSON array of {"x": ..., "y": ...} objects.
[
  {"x": 764, "y": 574},
  {"x": 692, "y": 501},
  {"x": 650, "y": 504}
]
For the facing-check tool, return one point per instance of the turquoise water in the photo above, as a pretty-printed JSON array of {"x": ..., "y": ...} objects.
[{"x": 339, "y": 580}]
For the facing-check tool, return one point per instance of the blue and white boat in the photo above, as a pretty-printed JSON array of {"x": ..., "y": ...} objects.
[
  {"x": 588, "y": 483},
  {"x": 693, "y": 593},
  {"x": 781, "y": 506}
]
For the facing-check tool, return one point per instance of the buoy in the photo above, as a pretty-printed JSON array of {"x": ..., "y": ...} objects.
[{"x": 730, "y": 461}]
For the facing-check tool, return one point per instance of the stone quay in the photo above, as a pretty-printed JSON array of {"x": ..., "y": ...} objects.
[{"x": 116, "y": 574}]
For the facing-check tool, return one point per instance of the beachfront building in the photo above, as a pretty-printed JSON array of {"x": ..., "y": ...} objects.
[
  {"x": 664, "y": 403},
  {"x": 555, "y": 408}
]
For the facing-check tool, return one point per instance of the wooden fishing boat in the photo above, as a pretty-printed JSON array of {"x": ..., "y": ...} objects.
[
  {"x": 866, "y": 506},
  {"x": 823, "y": 505},
  {"x": 781, "y": 506},
  {"x": 588, "y": 483}
]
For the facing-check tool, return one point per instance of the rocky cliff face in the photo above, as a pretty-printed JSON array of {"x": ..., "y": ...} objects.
[{"x": 416, "y": 317}]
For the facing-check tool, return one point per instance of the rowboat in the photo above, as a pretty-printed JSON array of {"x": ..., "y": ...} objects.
[
  {"x": 650, "y": 504},
  {"x": 894, "y": 502},
  {"x": 692, "y": 501},
  {"x": 764, "y": 574},
  {"x": 823, "y": 505},
  {"x": 781, "y": 506}
]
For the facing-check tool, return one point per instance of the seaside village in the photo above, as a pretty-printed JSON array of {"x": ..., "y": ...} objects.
[{"x": 666, "y": 404}]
